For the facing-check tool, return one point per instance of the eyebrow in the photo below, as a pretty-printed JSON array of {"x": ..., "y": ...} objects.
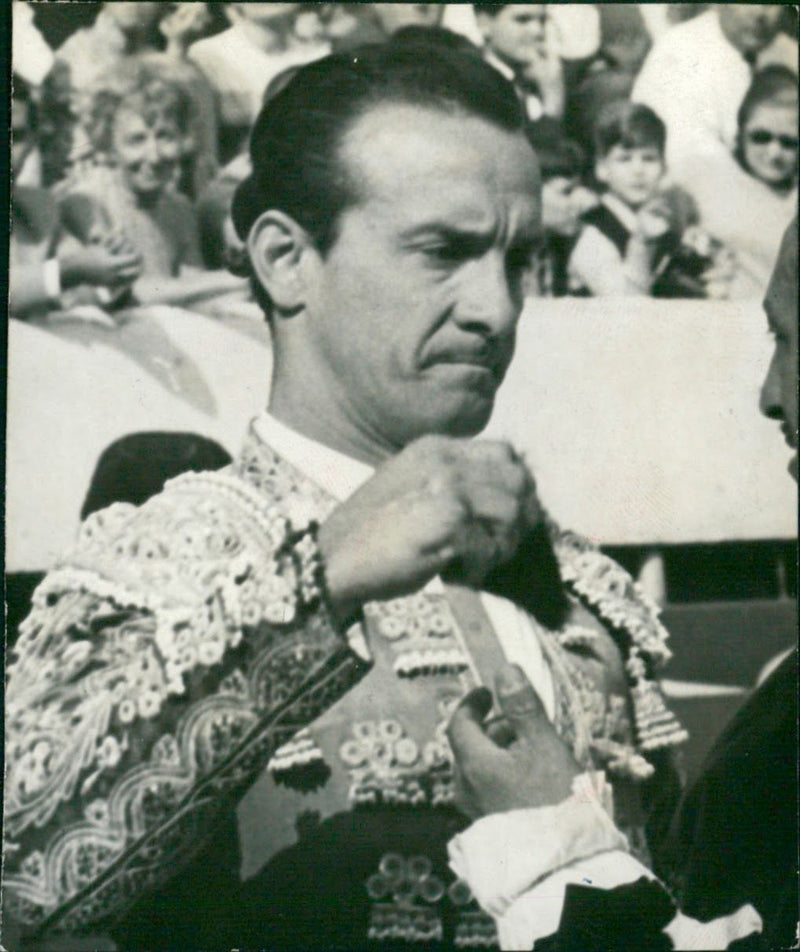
[{"x": 477, "y": 237}]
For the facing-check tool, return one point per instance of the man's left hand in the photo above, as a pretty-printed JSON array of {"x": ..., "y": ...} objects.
[{"x": 512, "y": 763}]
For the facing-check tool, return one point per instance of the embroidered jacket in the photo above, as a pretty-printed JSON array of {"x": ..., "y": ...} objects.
[{"x": 182, "y": 647}]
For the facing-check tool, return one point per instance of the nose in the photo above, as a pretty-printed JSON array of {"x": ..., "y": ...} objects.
[
  {"x": 775, "y": 151},
  {"x": 489, "y": 300},
  {"x": 150, "y": 150},
  {"x": 770, "y": 398}
]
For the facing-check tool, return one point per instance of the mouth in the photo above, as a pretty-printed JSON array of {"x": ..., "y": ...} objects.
[
  {"x": 789, "y": 435},
  {"x": 483, "y": 360}
]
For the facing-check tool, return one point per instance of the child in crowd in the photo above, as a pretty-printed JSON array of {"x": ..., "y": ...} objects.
[
  {"x": 642, "y": 239},
  {"x": 766, "y": 144},
  {"x": 52, "y": 268},
  {"x": 624, "y": 239},
  {"x": 564, "y": 202}
]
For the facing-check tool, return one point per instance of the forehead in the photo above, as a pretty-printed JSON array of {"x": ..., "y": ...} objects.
[
  {"x": 137, "y": 114},
  {"x": 620, "y": 149},
  {"x": 423, "y": 161},
  {"x": 522, "y": 13},
  {"x": 774, "y": 113}
]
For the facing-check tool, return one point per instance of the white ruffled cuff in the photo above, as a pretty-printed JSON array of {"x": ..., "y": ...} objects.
[{"x": 504, "y": 854}]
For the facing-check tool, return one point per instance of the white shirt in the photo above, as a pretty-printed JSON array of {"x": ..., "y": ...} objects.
[
  {"x": 341, "y": 476},
  {"x": 240, "y": 71},
  {"x": 596, "y": 263},
  {"x": 695, "y": 79}
]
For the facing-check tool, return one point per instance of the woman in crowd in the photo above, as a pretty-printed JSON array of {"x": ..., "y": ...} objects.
[
  {"x": 766, "y": 145},
  {"x": 766, "y": 149},
  {"x": 51, "y": 268},
  {"x": 136, "y": 125}
]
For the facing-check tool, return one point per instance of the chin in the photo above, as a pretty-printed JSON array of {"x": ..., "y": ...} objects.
[{"x": 468, "y": 421}]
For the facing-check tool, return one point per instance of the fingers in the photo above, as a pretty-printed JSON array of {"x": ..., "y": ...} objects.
[
  {"x": 519, "y": 702},
  {"x": 466, "y": 731}
]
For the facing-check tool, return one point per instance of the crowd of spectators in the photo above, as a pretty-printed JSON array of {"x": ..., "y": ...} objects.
[{"x": 666, "y": 136}]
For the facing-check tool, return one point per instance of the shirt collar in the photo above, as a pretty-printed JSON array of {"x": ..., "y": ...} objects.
[
  {"x": 620, "y": 210},
  {"x": 339, "y": 475},
  {"x": 494, "y": 60}
]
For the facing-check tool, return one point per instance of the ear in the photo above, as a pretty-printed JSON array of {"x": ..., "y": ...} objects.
[
  {"x": 601, "y": 171},
  {"x": 278, "y": 248}
]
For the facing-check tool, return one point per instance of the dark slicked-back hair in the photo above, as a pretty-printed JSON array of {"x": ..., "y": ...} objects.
[{"x": 296, "y": 141}]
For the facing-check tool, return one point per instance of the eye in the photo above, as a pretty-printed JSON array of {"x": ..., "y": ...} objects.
[
  {"x": 523, "y": 257},
  {"x": 450, "y": 252}
]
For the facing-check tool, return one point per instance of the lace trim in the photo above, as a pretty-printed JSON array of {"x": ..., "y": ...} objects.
[
  {"x": 610, "y": 591},
  {"x": 132, "y": 688}
]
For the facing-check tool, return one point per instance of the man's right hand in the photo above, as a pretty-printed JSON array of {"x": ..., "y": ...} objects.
[{"x": 458, "y": 507}]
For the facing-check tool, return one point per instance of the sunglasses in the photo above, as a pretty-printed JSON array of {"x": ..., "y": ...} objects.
[{"x": 764, "y": 137}]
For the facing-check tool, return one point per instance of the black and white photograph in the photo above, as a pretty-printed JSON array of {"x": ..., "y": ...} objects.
[{"x": 401, "y": 477}]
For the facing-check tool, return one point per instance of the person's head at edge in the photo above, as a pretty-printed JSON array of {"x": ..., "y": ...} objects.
[
  {"x": 390, "y": 219},
  {"x": 766, "y": 138},
  {"x": 749, "y": 27},
  {"x": 779, "y": 391}
]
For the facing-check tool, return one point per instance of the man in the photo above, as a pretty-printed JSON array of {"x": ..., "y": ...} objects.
[
  {"x": 390, "y": 220},
  {"x": 695, "y": 78},
  {"x": 731, "y": 857},
  {"x": 520, "y": 44}
]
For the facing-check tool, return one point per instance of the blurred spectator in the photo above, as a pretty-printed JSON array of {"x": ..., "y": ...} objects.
[
  {"x": 136, "y": 124},
  {"x": 32, "y": 59},
  {"x": 49, "y": 267},
  {"x": 392, "y": 17},
  {"x": 766, "y": 149},
  {"x": 181, "y": 24},
  {"x": 120, "y": 30},
  {"x": 65, "y": 149},
  {"x": 520, "y": 42},
  {"x": 564, "y": 201},
  {"x": 263, "y": 40},
  {"x": 348, "y": 25},
  {"x": 766, "y": 139},
  {"x": 30, "y": 53},
  {"x": 637, "y": 240},
  {"x": 624, "y": 36},
  {"x": 696, "y": 77}
]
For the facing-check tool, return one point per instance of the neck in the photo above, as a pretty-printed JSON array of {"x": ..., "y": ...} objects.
[{"x": 312, "y": 404}]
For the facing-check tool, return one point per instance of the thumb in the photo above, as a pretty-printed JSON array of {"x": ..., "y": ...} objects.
[
  {"x": 466, "y": 731},
  {"x": 519, "y": 702}
]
